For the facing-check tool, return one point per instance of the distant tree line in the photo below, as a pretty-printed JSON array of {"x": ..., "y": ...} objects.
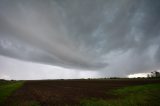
[{"x": 154, "y": 74}]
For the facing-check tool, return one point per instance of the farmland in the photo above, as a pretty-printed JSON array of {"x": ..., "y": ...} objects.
[{"x": 115, "y": 92}]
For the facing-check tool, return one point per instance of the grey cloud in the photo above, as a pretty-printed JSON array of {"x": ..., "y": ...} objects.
[
  {"x": 79, "y": 34},
  {"x": 35, "y": 31},
  {"x": 157, "y": 55}
]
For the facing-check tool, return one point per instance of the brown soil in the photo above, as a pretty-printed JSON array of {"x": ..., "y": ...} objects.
[{"x": 62, "y": 92}]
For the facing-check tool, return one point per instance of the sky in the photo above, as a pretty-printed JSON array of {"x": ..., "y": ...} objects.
[{"x": 67, "y": 39}]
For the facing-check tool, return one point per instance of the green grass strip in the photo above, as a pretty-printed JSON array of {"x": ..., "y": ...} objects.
[
  {"x": 8, "y": 89},
  {"x": 145, "y": 95}
]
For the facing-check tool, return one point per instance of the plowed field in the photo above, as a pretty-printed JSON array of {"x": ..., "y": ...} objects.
[{"x": 68, "y": 92}]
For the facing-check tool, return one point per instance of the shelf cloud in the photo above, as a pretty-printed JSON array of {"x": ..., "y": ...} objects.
[{"x": 117, "y": 37}]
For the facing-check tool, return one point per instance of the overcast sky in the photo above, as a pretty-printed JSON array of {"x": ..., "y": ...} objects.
[{"x": 51, "y": 39}]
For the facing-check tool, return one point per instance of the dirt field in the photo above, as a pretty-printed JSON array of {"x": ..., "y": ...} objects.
[{"x": 62, "y": 92}]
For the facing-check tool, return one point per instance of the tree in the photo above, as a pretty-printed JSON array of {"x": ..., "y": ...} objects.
[
  {"x": 148, "y": 75},
  {"x": 155, "y": 74}
]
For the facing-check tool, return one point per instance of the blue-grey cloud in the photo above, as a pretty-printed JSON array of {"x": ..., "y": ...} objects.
[{"x": 81, "y": 34}]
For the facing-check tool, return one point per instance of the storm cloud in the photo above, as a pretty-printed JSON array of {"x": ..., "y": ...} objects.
[{"x": 114, "y": 37}]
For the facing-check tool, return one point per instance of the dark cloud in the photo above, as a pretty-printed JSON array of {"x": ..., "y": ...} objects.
[{"x": 83, "y": 34}]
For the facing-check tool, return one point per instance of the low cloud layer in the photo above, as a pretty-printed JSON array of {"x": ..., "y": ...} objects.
[{"x": 115, "y": 38}]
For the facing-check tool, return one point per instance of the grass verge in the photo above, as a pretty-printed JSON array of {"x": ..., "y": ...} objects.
[
  {"x": 8, "y": 89},
  {"x": 145, "y": 95}
]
